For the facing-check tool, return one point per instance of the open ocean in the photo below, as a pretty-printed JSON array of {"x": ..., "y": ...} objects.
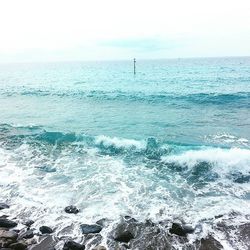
[{"x": 173, "y": 141}]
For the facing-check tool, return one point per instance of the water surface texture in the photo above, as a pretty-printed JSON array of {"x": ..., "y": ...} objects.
[{"x": 170, "y": 142}]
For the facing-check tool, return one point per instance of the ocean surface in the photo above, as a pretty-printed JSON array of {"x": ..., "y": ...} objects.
[{"x": 172, "y": 141}]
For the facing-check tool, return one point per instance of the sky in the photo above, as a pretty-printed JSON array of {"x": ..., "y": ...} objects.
[{"x": 66, "y": 30}]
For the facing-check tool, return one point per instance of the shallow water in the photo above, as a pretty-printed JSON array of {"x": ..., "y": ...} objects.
[{"x": 170, "y": 142}]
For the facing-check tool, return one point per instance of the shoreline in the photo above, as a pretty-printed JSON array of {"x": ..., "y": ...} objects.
[{"x": 127, "y": 233}]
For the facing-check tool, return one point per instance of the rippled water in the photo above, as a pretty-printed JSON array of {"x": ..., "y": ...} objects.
[{"x": 170, "y": 142}]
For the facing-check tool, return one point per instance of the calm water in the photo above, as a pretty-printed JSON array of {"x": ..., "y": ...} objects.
[{"x": 172, "y": 141}]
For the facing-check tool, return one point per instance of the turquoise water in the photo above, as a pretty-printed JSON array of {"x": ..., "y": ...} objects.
[{"x": 171, "y": 141}]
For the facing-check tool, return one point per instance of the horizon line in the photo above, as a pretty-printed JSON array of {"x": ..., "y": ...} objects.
[{"x": 121, "y": 60}]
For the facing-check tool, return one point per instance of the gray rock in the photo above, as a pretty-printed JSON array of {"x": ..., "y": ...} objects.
[
  {"x": 244, "y": 232},
  {"x": 71, "y": 209},
  {"x": 47, "y": 243},
  {"x": 92, "y": 240},
  {"x": 124, "y": 236},
  {"x": 28, "y": 223},
  {"x": 7, "y": 223},
  {"x": 138, "y": 235},
  {"x": 26, "y": 235},
  {"x": 99, "y": 248},
  {"x": 45, "y": 230},
  {"x": 6, "y": 242},
  {"x": 210, "y": 243},
  {"x": 90, "y": 229},
  {"x": 18, "y": 246},
  {"x": 8, "y": 234},
  {"x": 103, "y": 222},
  {"x": 72, "y": 245},
  {"x": 180, "y": 230},
  {"x": 3, "y": 205}
]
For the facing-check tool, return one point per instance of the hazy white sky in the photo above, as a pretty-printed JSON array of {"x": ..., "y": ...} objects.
[{"x": 48, "y": 30}]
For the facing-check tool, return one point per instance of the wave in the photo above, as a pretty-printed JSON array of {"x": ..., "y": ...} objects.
[
  {"x": 119, "y": 143},
  {"x": 240, "y": 98},
  {"x": 184, "y": 155},
  {"x": 212, "y": 163}
]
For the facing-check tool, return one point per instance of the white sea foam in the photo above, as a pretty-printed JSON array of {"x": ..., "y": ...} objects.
[
  {"x": 227, "y": 139},
  {"x": 38, "y": 185},
  {"x": 223, "y": 160},
  {"x": 119, "y": 142}
]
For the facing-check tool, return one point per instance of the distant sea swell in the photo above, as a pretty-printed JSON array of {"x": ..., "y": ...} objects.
[{"x": 241, "y": 99}]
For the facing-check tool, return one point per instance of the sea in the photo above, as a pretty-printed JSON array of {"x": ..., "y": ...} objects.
[{"x": 169, "y": 142}]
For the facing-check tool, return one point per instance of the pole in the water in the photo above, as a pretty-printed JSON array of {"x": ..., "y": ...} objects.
[{"x": 134, "y": 66}]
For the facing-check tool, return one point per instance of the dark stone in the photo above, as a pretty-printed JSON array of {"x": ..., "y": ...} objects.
[
  {"x": 88, "y": 229},
  {"x": 244, "y": 232},
  {"x": 180, "y": 230},
  {"x": 3, "y": 205},
  {"x": 45, "y": 230},
  {"x": 72, "y": 245},
  {"x": 7, "y": 223},
  {"x": 28, "y": 223},
  {"x": 48, "y": 243},
  {"x": 218, "y": 216},
  {"x": 210, "y": 243},
  {"x": 71, "y": 209},
  {"x": 26, "y": 235},
  {"x": 8, "y": 234},
  {"x": 125, "y": 236},
  {"x": 4, "y": 216},
  {"x": 138, "y": 235},
  {"x": 5, "y": 242},
  {"x": 18, "y": 246}
]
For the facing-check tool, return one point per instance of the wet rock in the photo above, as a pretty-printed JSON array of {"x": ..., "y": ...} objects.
[
  {"x": 7, "y": 223},
  {"x": 47, "y": 243},
  {"x": 72, "y": 245},
  {"x": 235, "y": 234},
  {"x": 28, "y": 223},
  {"x": 26, "y": 235},
  {"x": 103, "y": 222},
  {"x": 124, "y": 231},
  {"x": 149, "y": 237},
  {"x": 71, "y": 209},
  {"x": 66, "y": 231},
  {"x": 45, "y": 230},
  {"x": 92, "y": 240},
  {"x": 210, "y": 243},
  {"x": 99, "y": 248},
  {"x": 3, "y": 205},
  {"x": 124, "y": 236},
  {"x": 244, "y": 232},
  {"x": 4, "y": 216},
  {"x": 18, "y": 246},
  {"x": 218, "y": 216},
  {"x": 88, "y": 229},
  {"x": 180, "y": 230},
  {"x": 8, "y": 234},
  {"x": 6, "y": 242},
  {"x": 138, "y": 235},
  {"x": 129, "y": 219}
]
